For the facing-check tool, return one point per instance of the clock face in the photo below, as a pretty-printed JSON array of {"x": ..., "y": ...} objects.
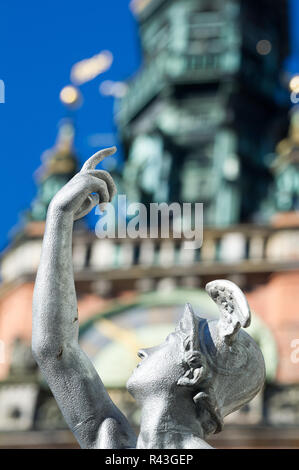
[{"x": 112, "y": 340}]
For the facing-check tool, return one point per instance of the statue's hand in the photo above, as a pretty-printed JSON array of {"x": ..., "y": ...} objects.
[{"x": 86, "y": 189}]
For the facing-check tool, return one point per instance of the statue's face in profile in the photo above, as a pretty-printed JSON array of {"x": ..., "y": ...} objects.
[
  {"x": 159, "y": 369},
  {"x": 201, "y": 353}
]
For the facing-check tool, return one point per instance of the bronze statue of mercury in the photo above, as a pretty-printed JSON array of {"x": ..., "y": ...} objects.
[{"x": 203, "y": 371}]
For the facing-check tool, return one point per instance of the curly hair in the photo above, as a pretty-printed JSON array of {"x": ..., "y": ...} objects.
[{"x": 198, "y": 378}]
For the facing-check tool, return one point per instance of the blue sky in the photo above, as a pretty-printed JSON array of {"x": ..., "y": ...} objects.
[{"x": 39, "y": 42}]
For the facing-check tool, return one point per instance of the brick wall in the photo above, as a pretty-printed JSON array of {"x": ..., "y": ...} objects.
[{"x": 277, "y": 303}]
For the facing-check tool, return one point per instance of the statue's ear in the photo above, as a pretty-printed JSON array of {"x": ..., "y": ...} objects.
[
  {"x": 189, "y": 327},
  {"x": 192, "y": 377},
  {"x": 233, "y": 308}
]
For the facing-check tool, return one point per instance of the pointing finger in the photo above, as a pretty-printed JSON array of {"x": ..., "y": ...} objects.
[{"x": 93, "y": 161}]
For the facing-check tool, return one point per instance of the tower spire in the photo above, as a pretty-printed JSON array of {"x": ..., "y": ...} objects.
[{"x": 59, "y": 165}]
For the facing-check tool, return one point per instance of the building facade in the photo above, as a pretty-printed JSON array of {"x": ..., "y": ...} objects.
[
  {"x": 197, "y": 123},
  {"x": 198, "y": 118}
]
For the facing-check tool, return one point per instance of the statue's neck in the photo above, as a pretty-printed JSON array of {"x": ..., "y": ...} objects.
[{"x": 165, "y": 424}]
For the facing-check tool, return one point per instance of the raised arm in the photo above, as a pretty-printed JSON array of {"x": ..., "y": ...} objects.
[{"x": 76, "y": 386}]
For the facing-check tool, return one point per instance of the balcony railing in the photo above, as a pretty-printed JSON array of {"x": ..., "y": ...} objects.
[
  {"x": 241, "y": 249},
  {"x": 168, "y": 67}
]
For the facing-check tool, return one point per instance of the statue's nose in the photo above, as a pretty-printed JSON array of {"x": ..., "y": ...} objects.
[{"x": 142, "y": 353}]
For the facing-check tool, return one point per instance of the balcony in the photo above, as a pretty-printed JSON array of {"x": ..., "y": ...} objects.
[
  {"x": 248, "y": 250},
  {"x": 167, "y": 69}
]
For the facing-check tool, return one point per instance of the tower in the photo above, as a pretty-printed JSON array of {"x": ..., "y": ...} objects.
[
  {"x": 59, "y": 166},
  {"x": 197, "y": 117},
  {"x": 285, "y": 168}
]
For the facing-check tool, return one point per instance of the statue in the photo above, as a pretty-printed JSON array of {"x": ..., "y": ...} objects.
[{"x": 186, "y": 386}]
